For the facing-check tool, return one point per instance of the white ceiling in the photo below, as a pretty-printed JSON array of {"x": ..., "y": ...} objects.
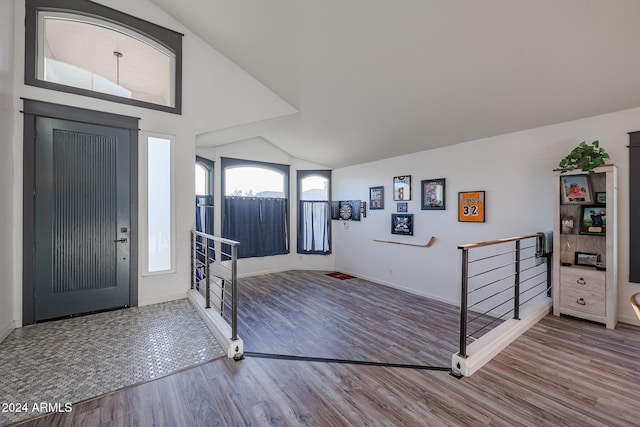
[{"x": 379, "y": 78}]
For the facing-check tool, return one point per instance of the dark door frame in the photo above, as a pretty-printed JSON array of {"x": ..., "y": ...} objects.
[{"x": 31, "y": 110}]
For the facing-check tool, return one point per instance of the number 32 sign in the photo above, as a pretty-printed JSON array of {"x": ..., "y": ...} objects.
[{"x": 471, "y": 206}]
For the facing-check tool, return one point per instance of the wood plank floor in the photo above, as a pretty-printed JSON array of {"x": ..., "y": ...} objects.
[{"x": 563, "y": 371}]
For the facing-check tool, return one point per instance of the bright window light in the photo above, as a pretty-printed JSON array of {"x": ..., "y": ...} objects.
[{"x": 159, "y": 204}]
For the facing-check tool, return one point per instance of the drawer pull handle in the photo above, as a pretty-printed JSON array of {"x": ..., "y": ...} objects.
[
  {"x": 581, "y": 301},
  {"x": 581, "y": 281}
]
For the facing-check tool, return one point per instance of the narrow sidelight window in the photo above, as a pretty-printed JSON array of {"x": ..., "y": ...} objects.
[{"x": 160, "y": 242}]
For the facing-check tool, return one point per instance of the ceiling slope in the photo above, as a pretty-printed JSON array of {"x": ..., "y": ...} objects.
[{"x": 374, "y": 79}]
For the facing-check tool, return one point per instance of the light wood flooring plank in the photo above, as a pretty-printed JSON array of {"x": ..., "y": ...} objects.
[{"x": 562, "y": 371}]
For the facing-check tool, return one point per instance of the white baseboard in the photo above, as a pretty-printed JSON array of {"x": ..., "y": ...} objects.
[
  {"x": 4, "y": 332},
  {"x": 631, "y": 320},
  {"x": 489, "y": 345},
  {"x": 217, "y": 325},
  {"x": 402, "y": 288}
]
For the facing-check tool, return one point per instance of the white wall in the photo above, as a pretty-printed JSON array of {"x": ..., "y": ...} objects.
[
  {"x": 216, "y": 95},
  {"x": 515, "y": 170},
  {"x": 259, "y": 149},
  {"x": 6, "y": 168}
]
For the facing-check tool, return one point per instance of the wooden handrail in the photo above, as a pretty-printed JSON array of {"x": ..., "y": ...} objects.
[{"x": 496, "y": 242}]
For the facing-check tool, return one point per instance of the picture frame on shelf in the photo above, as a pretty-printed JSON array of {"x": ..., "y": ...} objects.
[
  {"x": 593, "y": 220},
  {"x": 433, "y": 194},
  {"x": 402, "y": 188},
  {"x": 402, "y": 224},
  {"x": 576, "y": 189},
  {"x": 376, "y": 197},
  {"x": 402, "y": 207},
  {"x": 587, "y": 259},
  {"x": 601, "y": 197},
  {"x": 566, "y": 225},
  {"x": 471, "y": 206}
]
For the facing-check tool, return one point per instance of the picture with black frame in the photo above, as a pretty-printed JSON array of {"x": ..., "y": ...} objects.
[
  {"x": 593, "y": 220},
  {"x": 402, "y": 224},
  {"x": 376, "y": 197},
  {"x": 433, "y": 194}
]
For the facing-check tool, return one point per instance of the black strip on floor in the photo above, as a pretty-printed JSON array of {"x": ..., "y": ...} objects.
[{"x": 344, "y": 361}]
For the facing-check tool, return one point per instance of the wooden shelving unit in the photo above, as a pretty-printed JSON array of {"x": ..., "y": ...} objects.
[{"x": 586, "y": 292}]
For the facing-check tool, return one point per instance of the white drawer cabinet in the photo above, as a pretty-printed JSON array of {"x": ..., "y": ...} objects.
[{"x": 583, "y": 290}]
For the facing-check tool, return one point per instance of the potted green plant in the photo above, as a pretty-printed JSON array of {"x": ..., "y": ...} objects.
[{"x": 584, "y": 156}]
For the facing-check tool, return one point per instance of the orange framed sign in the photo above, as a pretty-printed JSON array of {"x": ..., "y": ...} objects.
[{"x": 471, "y": 206}]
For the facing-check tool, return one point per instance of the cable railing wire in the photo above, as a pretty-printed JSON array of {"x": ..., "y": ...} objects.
[{"x": 504, "y": 290}]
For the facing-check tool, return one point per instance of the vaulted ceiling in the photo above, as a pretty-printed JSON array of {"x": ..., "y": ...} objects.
[{"x": 379, "y": 78}]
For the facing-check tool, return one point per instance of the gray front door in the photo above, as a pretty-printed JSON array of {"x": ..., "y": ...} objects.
[{"x": 82, "y": 218}]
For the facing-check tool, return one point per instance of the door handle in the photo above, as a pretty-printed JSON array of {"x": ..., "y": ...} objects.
[{"x": 123, "y": 240}]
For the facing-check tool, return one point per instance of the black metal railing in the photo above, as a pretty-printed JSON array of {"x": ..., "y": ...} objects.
[
  {"x": 499, "y": 277},
  {"x": 214, "y": 274}
]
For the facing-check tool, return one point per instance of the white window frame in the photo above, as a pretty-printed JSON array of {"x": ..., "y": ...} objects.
[{"x": 144, "y": 205}]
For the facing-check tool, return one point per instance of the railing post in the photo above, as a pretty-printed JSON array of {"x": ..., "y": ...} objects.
[
  {"x": 516, "y": 287},
  {"x": 207, "y": 268},
  {"x": 234, "y": 293},
  {"x": 463, "y": 303},
  {"x": 193, "y": 262},
  {"x": 549, "y": 266}
]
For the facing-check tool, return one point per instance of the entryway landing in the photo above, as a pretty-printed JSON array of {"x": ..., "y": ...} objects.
[{"x": 68, "y": 361}]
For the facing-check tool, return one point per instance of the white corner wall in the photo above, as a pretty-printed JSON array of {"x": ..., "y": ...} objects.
[
  {"x": 216, "y": 95},
  {"x": 515, "y": 170},
  {"x": 6, "y": 169}
]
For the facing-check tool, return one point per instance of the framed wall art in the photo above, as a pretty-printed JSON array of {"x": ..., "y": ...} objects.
[
  {"x": 587, "y": 259},
  {"x": 403, "y": 207},
  {"x": 601, "y": 197},
  {"x": 376, "y": 197},
  {"x": 593, "y": 220},
  {"x": 471, "y": 206},
  {"x": 402, "y": 224},
  {"x": 433, "y": 194},
  {"x": 575, "y": 189},
  {"x": 402, "y": 188}
]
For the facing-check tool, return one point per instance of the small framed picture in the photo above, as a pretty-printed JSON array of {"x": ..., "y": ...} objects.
[
  {"x": 402, "y": 224},
  {"x": 403, "y": 207},
  {"x": 402, "y": 188},
  {"x": 587, "y": 259},
  {"x": 433, "y": 194},
  {"x": 566, "y": 225},
  {"x": 376, "y": 197},
  {"x": 601, "y": 197},
  {"x": 576, "y": 189},
  {"x": 593, "y": 220},
  {"x": 471, "y": 206}
]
